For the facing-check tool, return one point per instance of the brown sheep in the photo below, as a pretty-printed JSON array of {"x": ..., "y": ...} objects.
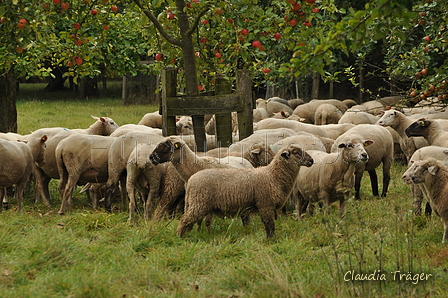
[{"x": 232, "y": 192}]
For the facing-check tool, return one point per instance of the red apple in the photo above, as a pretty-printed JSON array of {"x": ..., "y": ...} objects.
[
  {"x": 245, "y": 32},
  {"x": 266, "y": 70},
  {"x": 106, "y": 27},
  {"x": 315, "y": 10},
  {"x": 218, "y": 11},
  {"x": 202, "y": 40},
  {"x": 77, "y": 26},
  {"x": 21, "y": 24},
  {"x": 256, "y": 44},
  {"x": 413, "y": 94},
  {"x": 230, "y": 21},
  {"x": 197, "y": 54},
  {"x": 427, "y": 38},
  {"x": 94, "y": 12},
  {"x": 78, "y": 42},
  {"x": 114, "y": 8},
  {"x": 19, "y": 50},
  {"x": 56, "y": 1},
  {"x": 297, "y": 6},
  {"x": 218, "y": 55},
  {"x": 105, "y": 1},
  {"x": 292, "y": 22},
  {"x": 159, "y": 57},
  {"x": 424, "y": 71},
  {"x": 200, "y": 87},
  {"x": 78, "y": 61},
  {"x": 310, "y": 1},
  {"x": 64, "y": 6},
  {"x": 3, "y": 20},
  {"x": 277, "y": 36},
  {"x": 70, "y": 64},
  {"x": 204, "y": 22},
  {"x": 170, "y": 16}
]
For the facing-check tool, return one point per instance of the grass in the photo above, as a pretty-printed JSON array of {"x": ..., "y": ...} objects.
[{"x": 90, "y": 253}]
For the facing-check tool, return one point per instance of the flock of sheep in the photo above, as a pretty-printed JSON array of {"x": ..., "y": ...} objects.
[{"x": 300, "y": 155}]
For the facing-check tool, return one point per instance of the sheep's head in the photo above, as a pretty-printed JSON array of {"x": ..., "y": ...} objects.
[
  {"x": 165, "y": 150},
  {"x": 294, "y": 154},
  {"x": 184, "y": 126},
  {"x": 407, "y": 176},
  {"x": 418, "y": 128},
  {"x": 388, "y": 118},
  {"x": 354, "y": 152},
  {"x": 108, "y": 125},
  {"x": 260, "y": 155},
  {"x": 425, "y": 169}
]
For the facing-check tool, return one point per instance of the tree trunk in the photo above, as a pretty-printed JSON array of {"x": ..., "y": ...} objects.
[
  {"x": 56, "y": 81},
  {"x": 8, "y": 95},
  {"x": 190, "y": 69},
  {"x": 316, "y": 81}
]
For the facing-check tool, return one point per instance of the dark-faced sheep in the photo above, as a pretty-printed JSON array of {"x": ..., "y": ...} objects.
[
  {"x": 232, "y": 192},
  {"x": 431, "y": 130},
  {"x": 433, "y": 175}
]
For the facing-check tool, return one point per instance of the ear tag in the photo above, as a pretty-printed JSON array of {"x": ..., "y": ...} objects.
[{"x": 176, "y": 146}]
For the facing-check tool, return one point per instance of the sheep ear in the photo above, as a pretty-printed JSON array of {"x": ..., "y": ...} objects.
[
  {"x": 433, "y": 170},
  {"x": 342, "y": 145},
  {"x": 102, "y": 119},
  {"x": 368, "y": 143},
  {"x": 176, "y": 145},
  {"x": 94, "y": 117},
  {"x": 423, "y": 122},
  {"x": 285, "y": 154},
  {"x": 256, "y": 150},
  {"x": 445, "y": 152},
  {"x": 44, "y": 139}
]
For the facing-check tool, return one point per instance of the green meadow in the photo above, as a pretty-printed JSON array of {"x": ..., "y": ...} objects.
[{"x": 380, "y": 248}]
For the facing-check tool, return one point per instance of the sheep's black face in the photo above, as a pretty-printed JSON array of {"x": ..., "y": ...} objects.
[
  {"x": 298, "y": 156},
  {"x": 162, "y": 153},
  {"x": 418, "y": 128}
]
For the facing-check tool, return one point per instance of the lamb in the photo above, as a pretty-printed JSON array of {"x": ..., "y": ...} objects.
[
  {"x": 85, "y": 162},
  {"x": 327, "y": 114},
  {"x": 331, "y": 177},
  {"x": 357, "y": 117},
  {"x": 307, "y": 110},
  {"x": 417, "y": 192},
  {"x": 430, "y": 130},
  {"x": 399, "y": 122},
  {"x": 231, "y": 192},
  {"x": 381, "y": 151},
  {"x": 16, "y": 167},
  {"x": 186, "y": 163},
  {"x": 153, "y": 120},
  {"x": 433, "y": 176},
  {"x": 297, "y": 126}
]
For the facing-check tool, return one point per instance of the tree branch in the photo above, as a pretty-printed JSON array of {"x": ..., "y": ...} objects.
[
  {"x": 157, "y": 24},
  {"x": 198, "y": 18}
]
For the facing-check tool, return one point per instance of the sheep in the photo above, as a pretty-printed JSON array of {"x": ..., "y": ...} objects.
[
  {"x": 137, "y": 128},
  {"x": 390, "y": 100},
  {"x": 210, "y": 127},
  {"x": 184, "y": 126},
  {"x": 276, "y": 105},
  {"x": 85, "y": 162},
  {"x": 357, "y": 117},
  {"x": 260, "y": 113},
  {"x": 231, "y": 192},
  {"x": 10, "y": 136},
  {"x": 421, "y": 154},
  {"x": 153, "y": 120},
  {"x": 349, "y": 103},
  {"x": 373, "y": 107},
  {"x": 333, "y": 131},
  {"x": 433, "y": 176},
  {"x": 118, "y": 159},
  {"x": 399, "y": 122},
  {"x": 173, "y": 149},
  {"x": 271, "y": 123},
  {"x": 327, "y": 114},
  {"x": 429, "y": 129},
  {"x": 16, "y": 166},
  {"x": 295, "y": 102},
  {"x": 281, "y": 115},
  {"x": 330, "y": 179},
  {"x": 102, "y": 126},
  {"x": 258, "y": 154},
  {"x": 307, "y": 110},
  {"x": 381, "y": 151},
  {"x": 307, "y": 142}
]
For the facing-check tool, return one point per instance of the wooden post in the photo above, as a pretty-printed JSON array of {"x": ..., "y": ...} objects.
[
  {"x": 169, "y": 85},
  {"x": 245, "y": 117},
  {"x": 223, "y": 122},
  {"x": 315, "y": 90}
]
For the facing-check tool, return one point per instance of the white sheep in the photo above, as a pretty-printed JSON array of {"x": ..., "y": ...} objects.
[
  {"x": 399, "y": 122},
  {"x": 184, "y": 125},
  {"x": 417, "y": 192},
  {"x": 333, "y": 131},
  {"x": 16, "y": 166},
  {"x": 308, "y": 110},
  {"x": 135, "y": 128},
  {"x": 295, "y": 102},
  {"x": 432, "y": 174},
  {"x": 186, "y": 162},
  {"x": 153, "y": 120},
  {"x": 210, "y": 127},
  {"x": 331, "y": 178},
  {"x": 431, "y": 130},
  {"x": 297, "y": 126},
  {"x": 237, "y": 192},
  {"x": 382, "y": 151},
  {"x": 327, "y": 114},
  {"x": 306, "y": 141},
  {"x": 357, "y": 117},
  {"x": 276, "y": 105},
  {"x": 87, "y": 161}
]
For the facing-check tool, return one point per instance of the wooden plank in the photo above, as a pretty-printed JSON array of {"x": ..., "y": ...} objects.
[
  {"x": 203, "y": 105},
  {"x": 223, "y": 121},
  {"x": 245, "y": 117},
  {"x": 169, "y": 85}
]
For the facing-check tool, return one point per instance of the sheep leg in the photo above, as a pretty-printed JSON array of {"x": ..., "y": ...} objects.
[
  {"x": 374, "y": 182},
  {"x": 267, "y": 217},
  {"x": 386, "y": 177},
  {"x": 130, "y": 188},
  {"x": 445, "y": 231},
  {"x": 428, "y": 209},
  {"x": 358, "y": 178},
  {"x": 301, "y": 205},
  {"x": 246, "y": 219},
  {"x": 4, "y": 198},
  {"x": 41, "y": 184},
  {"x": 67, "y": 193}
]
